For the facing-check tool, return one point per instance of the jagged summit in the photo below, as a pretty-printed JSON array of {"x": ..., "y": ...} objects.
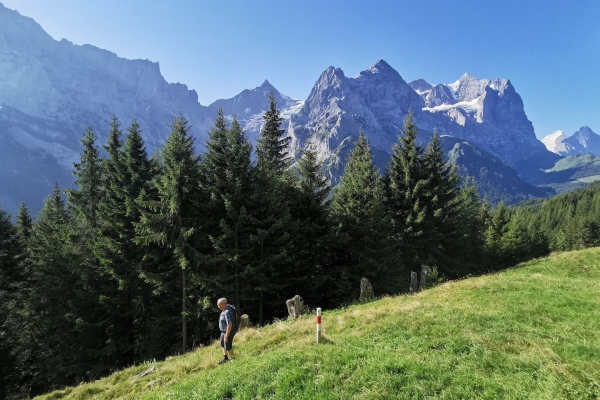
[
  {"x": 420, "y": 85},
  {"x": 380, "y": 66},
  {"x": 266, "y": 85}
]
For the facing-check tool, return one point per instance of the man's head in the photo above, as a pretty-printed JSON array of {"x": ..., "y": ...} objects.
[{"x": 222, "y": 303}]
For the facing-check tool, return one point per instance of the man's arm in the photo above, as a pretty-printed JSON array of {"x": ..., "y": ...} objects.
[{"x": 229, "y": 325}]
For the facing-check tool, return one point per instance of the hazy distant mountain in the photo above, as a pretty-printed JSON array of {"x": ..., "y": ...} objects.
[
  {"x": 581, "y": 142},
  {"x": 50, "y": 91},
  {"x": 250, "y": 105}
]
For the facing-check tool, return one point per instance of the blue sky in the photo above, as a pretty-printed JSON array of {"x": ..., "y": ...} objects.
[{"x": 549, "y": 49}]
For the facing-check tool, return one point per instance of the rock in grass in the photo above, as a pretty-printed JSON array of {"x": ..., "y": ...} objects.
[
  {"x": 146, "y": 372},
  {"x": 366, "y": 290}
]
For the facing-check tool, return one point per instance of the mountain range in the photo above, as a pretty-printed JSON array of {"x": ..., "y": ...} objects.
[
  {"x": 583, "y": 141},
  {"x": 50, "y": 91}
]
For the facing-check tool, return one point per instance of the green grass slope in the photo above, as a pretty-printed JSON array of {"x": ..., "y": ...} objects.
[{"x": 531, "y": 332}]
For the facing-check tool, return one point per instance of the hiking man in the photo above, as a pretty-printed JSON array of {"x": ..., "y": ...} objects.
[{"x": 228, "y": 327}]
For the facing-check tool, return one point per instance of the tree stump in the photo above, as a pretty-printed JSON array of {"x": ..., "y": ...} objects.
[
  {"x": 423, "y": 280},
  {"x": 294, "y": 306},
  {"x": 244, "y": 321},
  {"x": 413, "y": 282},
  {"x": 366, "y": 290}
]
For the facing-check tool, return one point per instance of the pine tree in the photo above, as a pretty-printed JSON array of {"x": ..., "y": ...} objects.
[
  {"x": 175, "y": 219},
  {"x": 60, "y": 301},
  {"x": 443, "y": 222},
  {"x": 362, "y": 227},
  {"x": 311, "y": 232},
  {"x": 272, "y": 148},
  {"x": 271, "y": 240},
  {"x": 11, "y": 281},
  {"x": 406, "y": 191},
  {"x": 493, "y": 236},
  {"x": 227, "y": 170},
  {"x": 128, "y": 173},
  {"x": 88, "y": 178}
]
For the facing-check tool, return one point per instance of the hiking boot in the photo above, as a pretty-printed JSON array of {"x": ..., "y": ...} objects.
[{"x": 223, "y": 361}]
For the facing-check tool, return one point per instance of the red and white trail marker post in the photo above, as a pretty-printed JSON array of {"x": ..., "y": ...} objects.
[{"x": 318, "y": 325}]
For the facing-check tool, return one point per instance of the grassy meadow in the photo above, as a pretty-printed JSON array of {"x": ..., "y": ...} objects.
[{"x": 530, "y": 332}]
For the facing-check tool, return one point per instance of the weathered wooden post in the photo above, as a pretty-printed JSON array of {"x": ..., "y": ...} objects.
[
  {"x": 413, "y": 282},
  {"x": 366, "y": 290},
  {"x": 423, "y": 280},
  {"x": 318, "y": 325}
]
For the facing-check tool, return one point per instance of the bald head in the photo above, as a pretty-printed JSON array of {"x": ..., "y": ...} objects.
[{"x": 222, "y": 303}]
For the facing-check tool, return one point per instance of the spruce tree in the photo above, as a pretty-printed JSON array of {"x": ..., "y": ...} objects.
[
  {"x": 88, "y": 178},
  {"x": 272, "y": 148},
  {"x": 11, "y": 282},
  {"x": 61, "y": 301},
  {"x": 227, "y": 170},
  {"x": 128, "y": 173},
  {"x": 407, "y": 197},
  {"x": 361, "y": 225},
  {"x": 311, "y": 233},
  {"x": 175, "y": 219},
  {"x": 493, "y": 236}
]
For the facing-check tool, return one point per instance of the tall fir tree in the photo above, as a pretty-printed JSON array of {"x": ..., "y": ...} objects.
[
  {"x": 272, "y": 151},
  {"x": 361, "y": 225},
  {"x": 443, "y": 219},
  {"x": 61, "y": 302},
  {"x": 11, "y": 283},
  {"x": 271, "y": 240},
  {"x": 88, "y": 178},
  {"x": 127, "y": 174},
  {"x": 175, "y": 220},
  {"x": 407, "y": 193},
  {"x": 227, "y": 169},
  {"x": 310, "y": 230},
  {"x": 497, "y": 228}
]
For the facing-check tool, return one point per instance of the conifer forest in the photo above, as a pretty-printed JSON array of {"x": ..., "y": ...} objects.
[{"x": 127, "y": 266}]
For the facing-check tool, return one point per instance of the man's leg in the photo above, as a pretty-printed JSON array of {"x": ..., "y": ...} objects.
[
  {"x": 230, "y": 345},
  {"x": 224, "y": 347}
]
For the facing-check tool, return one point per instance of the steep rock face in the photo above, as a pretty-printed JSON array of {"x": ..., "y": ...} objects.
[
  {"x": 491, "y": 115},
  {"x": 488, "y": 114},
  {"x": 338, "y": 108},
  {"x": 50, "y": 91},
  {"x": 438, "y": 95},
  {"x": 585, "y": 141}
]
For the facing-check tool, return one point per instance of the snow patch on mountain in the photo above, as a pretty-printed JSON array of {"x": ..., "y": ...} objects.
[{"x": 554, "y": 142}]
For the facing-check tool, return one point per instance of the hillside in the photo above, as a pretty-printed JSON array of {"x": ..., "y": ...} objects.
[{"x": 516, "y": 334}]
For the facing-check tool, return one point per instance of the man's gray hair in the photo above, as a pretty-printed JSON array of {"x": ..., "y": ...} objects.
[{"x": 222, "y": 300}]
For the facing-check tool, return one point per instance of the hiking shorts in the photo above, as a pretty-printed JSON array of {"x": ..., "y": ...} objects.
[{"x": 229, "y": 340}]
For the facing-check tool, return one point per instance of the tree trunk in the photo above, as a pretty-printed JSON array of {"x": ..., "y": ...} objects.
[
  {"x": 184, "y": 313},
  {"x": 260, "y": 309},
  {"x": 237, "y": 273},
  {"x": 2, "y": 387}
]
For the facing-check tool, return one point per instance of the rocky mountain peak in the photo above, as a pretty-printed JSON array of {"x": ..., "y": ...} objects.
[
  {"x": 420, "y": 85},
  {"x": 381, "y": 66},
  {"x": 266, "y": 85}
]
